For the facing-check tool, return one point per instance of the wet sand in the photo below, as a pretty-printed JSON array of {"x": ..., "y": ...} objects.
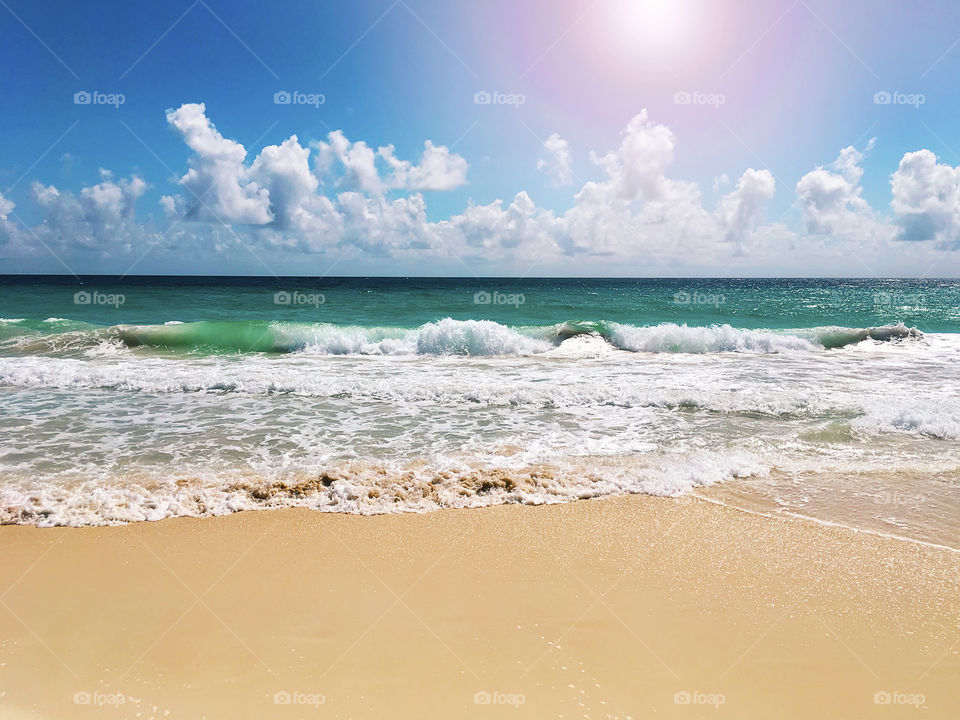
[{"x": 626, "y": 607}]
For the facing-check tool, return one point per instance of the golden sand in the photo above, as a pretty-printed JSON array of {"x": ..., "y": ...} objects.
[{"x": 629, "y": 607}]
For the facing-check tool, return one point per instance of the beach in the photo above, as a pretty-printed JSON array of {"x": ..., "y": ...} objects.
[
  {"x": 633, "y": 606},
  {"x": 500, "y": 360},
  {"x": 409, "y": 501}
]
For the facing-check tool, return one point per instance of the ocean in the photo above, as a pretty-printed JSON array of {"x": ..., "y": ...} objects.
[{"x": 144, "y": 398}]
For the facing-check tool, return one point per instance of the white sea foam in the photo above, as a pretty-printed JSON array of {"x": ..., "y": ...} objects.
[
  {"x": 476, "y": 337},
  {"x": 360, "y": 488},
  {"x": 935, "y": 418},
  {"x": 445, "y": 337},
  {"x": 670, "y": 337},
  {"x": 581, "y": 347},
  {"x": 110, "y": 347},
  {"x": 459, "y": 414},
  {"x": 717, "y": 383},
  {"x": 485, "y": 338},
  {"x": 534, "y": 383},
  {"x": 673, "y": 338}
]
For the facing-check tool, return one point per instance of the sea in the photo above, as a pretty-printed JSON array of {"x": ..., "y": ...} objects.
[{"x": 142, "y": 398}]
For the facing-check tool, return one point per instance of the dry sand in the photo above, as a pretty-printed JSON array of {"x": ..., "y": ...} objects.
[{"x": 630, "y": 607}]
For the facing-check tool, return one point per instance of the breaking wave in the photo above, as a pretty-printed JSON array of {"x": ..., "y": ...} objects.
[{"x": 443, "y": 337}]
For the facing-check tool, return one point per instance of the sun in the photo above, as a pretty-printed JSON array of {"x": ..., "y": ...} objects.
[{"x": 658, "y": 23}]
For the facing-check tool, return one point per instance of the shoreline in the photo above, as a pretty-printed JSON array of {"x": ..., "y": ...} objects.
[
  {"x": 822, "y": 522},
  {"x": 700, "y": 494},
  {"x": 618, "y": 607}
]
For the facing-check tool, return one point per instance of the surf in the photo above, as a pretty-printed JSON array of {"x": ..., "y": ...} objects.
[{"x": 446, "y": 336}]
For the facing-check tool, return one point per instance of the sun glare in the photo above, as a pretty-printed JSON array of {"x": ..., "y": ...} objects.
[{"x": 656, "y": 22}]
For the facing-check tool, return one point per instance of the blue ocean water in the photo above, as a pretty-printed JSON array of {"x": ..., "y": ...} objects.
[
  {"x": 929, "y": 305},
  {"x": 150, "y": 397}
]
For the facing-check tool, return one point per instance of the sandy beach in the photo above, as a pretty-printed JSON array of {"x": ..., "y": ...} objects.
[
  {"x": 404, "y": 359},
  {"x": 617, "y": 608}
]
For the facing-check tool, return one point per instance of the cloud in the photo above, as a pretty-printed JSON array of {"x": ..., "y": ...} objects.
[
  {"x": 8, "y": 230},
  {"x": 279, "y": 190},
  {"x": 357, "y": 162},
  {"x": 438, "y": 169},
  {"x": 6, "y": 207},
  {"x": 557, "y": 163},
  {"x": 283, "y": 172},
  {"x": 926, "y": 200},
  {"x": 219, "y": 185},
  {"x": 108, "y": 204},
  {"x": 287, "y": 201},
  {"x": 837, "y": 215},
  {"x": 832, "y": 203},
  {"x": 100, "y": 218},
  {"x": 637, "y": 209},
  {"x": 741, "y": 210},
  {"x": 520, "y": 230},
  {"x": 102, "y": 208},
  {"x": 384, "y": 228},
  {"x": 336, "y": 198},
  {"x": 636, "y": 170}
]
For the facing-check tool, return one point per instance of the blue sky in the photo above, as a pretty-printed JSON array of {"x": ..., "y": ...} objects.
[{"x": 779, "y": 88}]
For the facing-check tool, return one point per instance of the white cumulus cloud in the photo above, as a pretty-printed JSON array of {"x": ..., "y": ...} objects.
[
  {"x": 336, "y": 197},
  {"x": 357, "y": 163},
  {"x": 219, "y": 185},
  {"x": 742, "y": 209},
  {"x": 6, "y": 207},
  {"x": 557, "y": 162},
  {"x": 926, "y": 199}
]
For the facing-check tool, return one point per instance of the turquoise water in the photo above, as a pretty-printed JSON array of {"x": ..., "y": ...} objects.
[
  {"x": 148, "y": 398},
  {"x": 359, "y": 314},
  {"x": 929, "y": 305}
]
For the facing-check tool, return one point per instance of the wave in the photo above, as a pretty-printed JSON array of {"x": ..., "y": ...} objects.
[
  {"x": 355, "y": 487},
  {"x": 933, "y": 419},
  {"x": 837, "y": 337},
  {"x": 443, "y": 337},
  {"x": 673, "y": 338},
  {"x": 450, "y": 386},
  {"x": 670, "y": 337},
  {"x": 690, "y": 397}
]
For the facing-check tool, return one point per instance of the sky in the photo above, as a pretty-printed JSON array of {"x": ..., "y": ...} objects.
[{"x": 667, "y": 138}]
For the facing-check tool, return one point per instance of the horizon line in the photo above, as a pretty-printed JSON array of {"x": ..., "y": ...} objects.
[{"x": 118, "y": 277}]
